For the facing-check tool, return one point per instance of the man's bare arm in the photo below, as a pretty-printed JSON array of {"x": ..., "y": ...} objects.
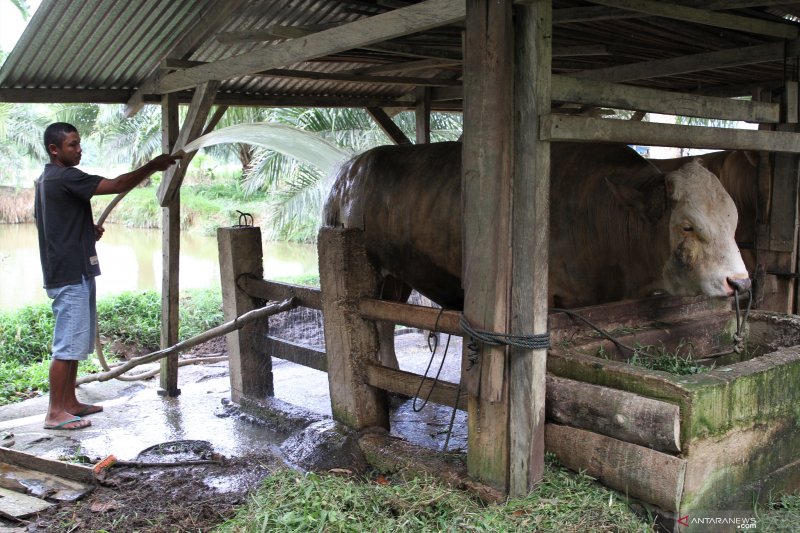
[{"x": 125, "y": 182}]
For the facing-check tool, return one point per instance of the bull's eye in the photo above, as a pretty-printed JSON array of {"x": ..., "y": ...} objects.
[{"x": 688, "y": 228}]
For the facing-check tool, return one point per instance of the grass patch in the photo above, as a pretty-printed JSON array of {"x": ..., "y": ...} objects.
[
  {"x": 780, "y": 515},
  {"x": 564, "y": 502},
  {"x": 26, "y": 334},
  {"x": 307, "y": 280},
  {"x": 680, "y": 361}
]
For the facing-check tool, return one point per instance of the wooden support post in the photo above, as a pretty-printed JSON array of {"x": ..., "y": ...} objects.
[
  {"x": 530, "y": 225},
  {"x": 171, "y": 247},
  {"x": 241, "y": 256},
  {"x": 779, "y": 240},
  {"x": 351, "y": 342},
  {"x": 486, "y": 196},
  {"x": 423, "y": 115}
]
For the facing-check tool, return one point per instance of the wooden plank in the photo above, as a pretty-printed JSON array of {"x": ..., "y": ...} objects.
[
  {"x": 414, "y": 316},
  {"x": 581, "y": 50},
  {"x": 614, "y": 413},
  {"x": 572, "y": 128},
  {"x": 530, "y": 209},
  {"x": 350, "y": 341},
  {"x": 295, "y": 32},
  {"x": 594, "y": 13},
  {"x": 296, "y": 353},
  {"x": 207, "y": 22},
  {"x": 422, "y": 115},
  {"x": 351, "y": 78},
  {"x": 408, "y": 383},
  {"x": 415, "y": 18},
  {"x": 71, "y": 471},
  {"x": 631, "y": 313},
  {"x": 170, "y": 258},
  {"x": 636, "y": 471},
  {"x": 41, "y": 484},
  {"x": 241, "y": 256},
  {"x": 704, "y": 16},
  {"x": 405, "y": 66},
  {"x": 486, "y": 199},
  {"x": 16, "y": 505},
  {"x": 277, "y": 291},
  {"x": 692, "y": 63},
  {"x": 599, "y": 93},
  {"x": 388, "y": 126},
  {"x": 192, "y": 127}
]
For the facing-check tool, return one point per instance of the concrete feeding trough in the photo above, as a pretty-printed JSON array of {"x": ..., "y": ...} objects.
[{"x": 717, "y": 440}]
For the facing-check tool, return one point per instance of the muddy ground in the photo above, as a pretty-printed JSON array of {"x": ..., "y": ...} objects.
[
  {"x": 193, "y": 497},
  {"x": 197, "y": 497}
]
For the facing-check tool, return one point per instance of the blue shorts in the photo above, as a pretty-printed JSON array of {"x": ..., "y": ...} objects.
[{"x": 75, "y": 310}]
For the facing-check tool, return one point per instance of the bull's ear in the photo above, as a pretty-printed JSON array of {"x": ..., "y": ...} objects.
[{"x": 648, "y": 204}]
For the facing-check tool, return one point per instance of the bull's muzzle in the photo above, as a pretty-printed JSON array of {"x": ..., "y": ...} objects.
[{"x": 740, "y": 284}]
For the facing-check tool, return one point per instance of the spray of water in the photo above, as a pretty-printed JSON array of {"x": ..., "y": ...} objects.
[{"x": 302, "y": 145}]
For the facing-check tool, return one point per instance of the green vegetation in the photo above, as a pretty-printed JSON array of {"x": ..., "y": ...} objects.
[
  {"x": 660, "y": 358},
  {"x": 131, "y": 317},
  {"x": 780, "y": 515},
  {"x": 563, "y": 502}
]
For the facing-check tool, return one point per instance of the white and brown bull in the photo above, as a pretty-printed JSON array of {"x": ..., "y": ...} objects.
[
  {"x": 737, "y": 170},
  {"x": 620, "y": 228}
]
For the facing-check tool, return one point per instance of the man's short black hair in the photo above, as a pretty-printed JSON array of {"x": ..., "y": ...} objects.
[{"x": 56, "y": 132}]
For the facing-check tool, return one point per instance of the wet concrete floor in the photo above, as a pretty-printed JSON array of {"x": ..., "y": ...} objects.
[{"x": 135, "y": 417}]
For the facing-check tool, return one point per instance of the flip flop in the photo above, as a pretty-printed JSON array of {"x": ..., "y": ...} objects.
[
  {"x": 66, "y": 423},
  {"x": 89, "y": 410}
]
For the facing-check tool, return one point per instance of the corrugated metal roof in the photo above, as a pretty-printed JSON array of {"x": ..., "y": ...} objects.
[{"x": 102, "y": 50}]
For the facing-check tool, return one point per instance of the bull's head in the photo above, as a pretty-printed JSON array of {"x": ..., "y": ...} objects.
[
  {"x": 702, "y": 223},
  {"x": 703, "y": 255}
]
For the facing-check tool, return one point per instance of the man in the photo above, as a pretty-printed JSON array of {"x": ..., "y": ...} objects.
[{"x": 67, "y": 236}]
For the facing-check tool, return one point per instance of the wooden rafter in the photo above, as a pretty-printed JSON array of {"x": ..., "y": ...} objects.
[
  {"x": 704, "y": 16},
  {"x": 207, "y": 24},
  {"x": 639, "y": 98},
  {"x": 693, "y": 63},
  {"x": 363, "y": 32},
  {"x": 595, "y": 13}
]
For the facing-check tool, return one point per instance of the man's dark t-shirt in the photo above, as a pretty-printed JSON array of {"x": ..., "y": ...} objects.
[{"x": 65, "y": 226}]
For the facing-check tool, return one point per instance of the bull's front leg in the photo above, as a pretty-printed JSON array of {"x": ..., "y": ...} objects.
[
  {"x": 393, "y": 290},
  {"x": 386, "y": 353}
]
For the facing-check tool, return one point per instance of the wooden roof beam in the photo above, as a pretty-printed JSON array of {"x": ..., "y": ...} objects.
[
  {"x": 704, "y": 16},
  {"x": 207, "y": 23},
  {"x": 594, "y": 13},
  {"x": 363, "y": 32},
  {"x": 279, "y": 31},
  {"x": 735, "y": 57},
  {"x": 377, "y": 80},
  {"x": 348, "y": 76}
]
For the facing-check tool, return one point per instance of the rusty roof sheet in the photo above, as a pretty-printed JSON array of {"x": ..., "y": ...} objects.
[{"x": 105, "y": 49}]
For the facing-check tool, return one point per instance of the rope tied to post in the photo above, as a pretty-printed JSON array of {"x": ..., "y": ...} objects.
[{"x": 538, "y": 341}]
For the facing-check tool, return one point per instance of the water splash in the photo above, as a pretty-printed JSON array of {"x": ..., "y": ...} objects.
[{"x": 302, "y": 145}]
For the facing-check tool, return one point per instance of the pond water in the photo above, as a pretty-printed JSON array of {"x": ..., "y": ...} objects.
[{"x": 130, "y": 259}]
